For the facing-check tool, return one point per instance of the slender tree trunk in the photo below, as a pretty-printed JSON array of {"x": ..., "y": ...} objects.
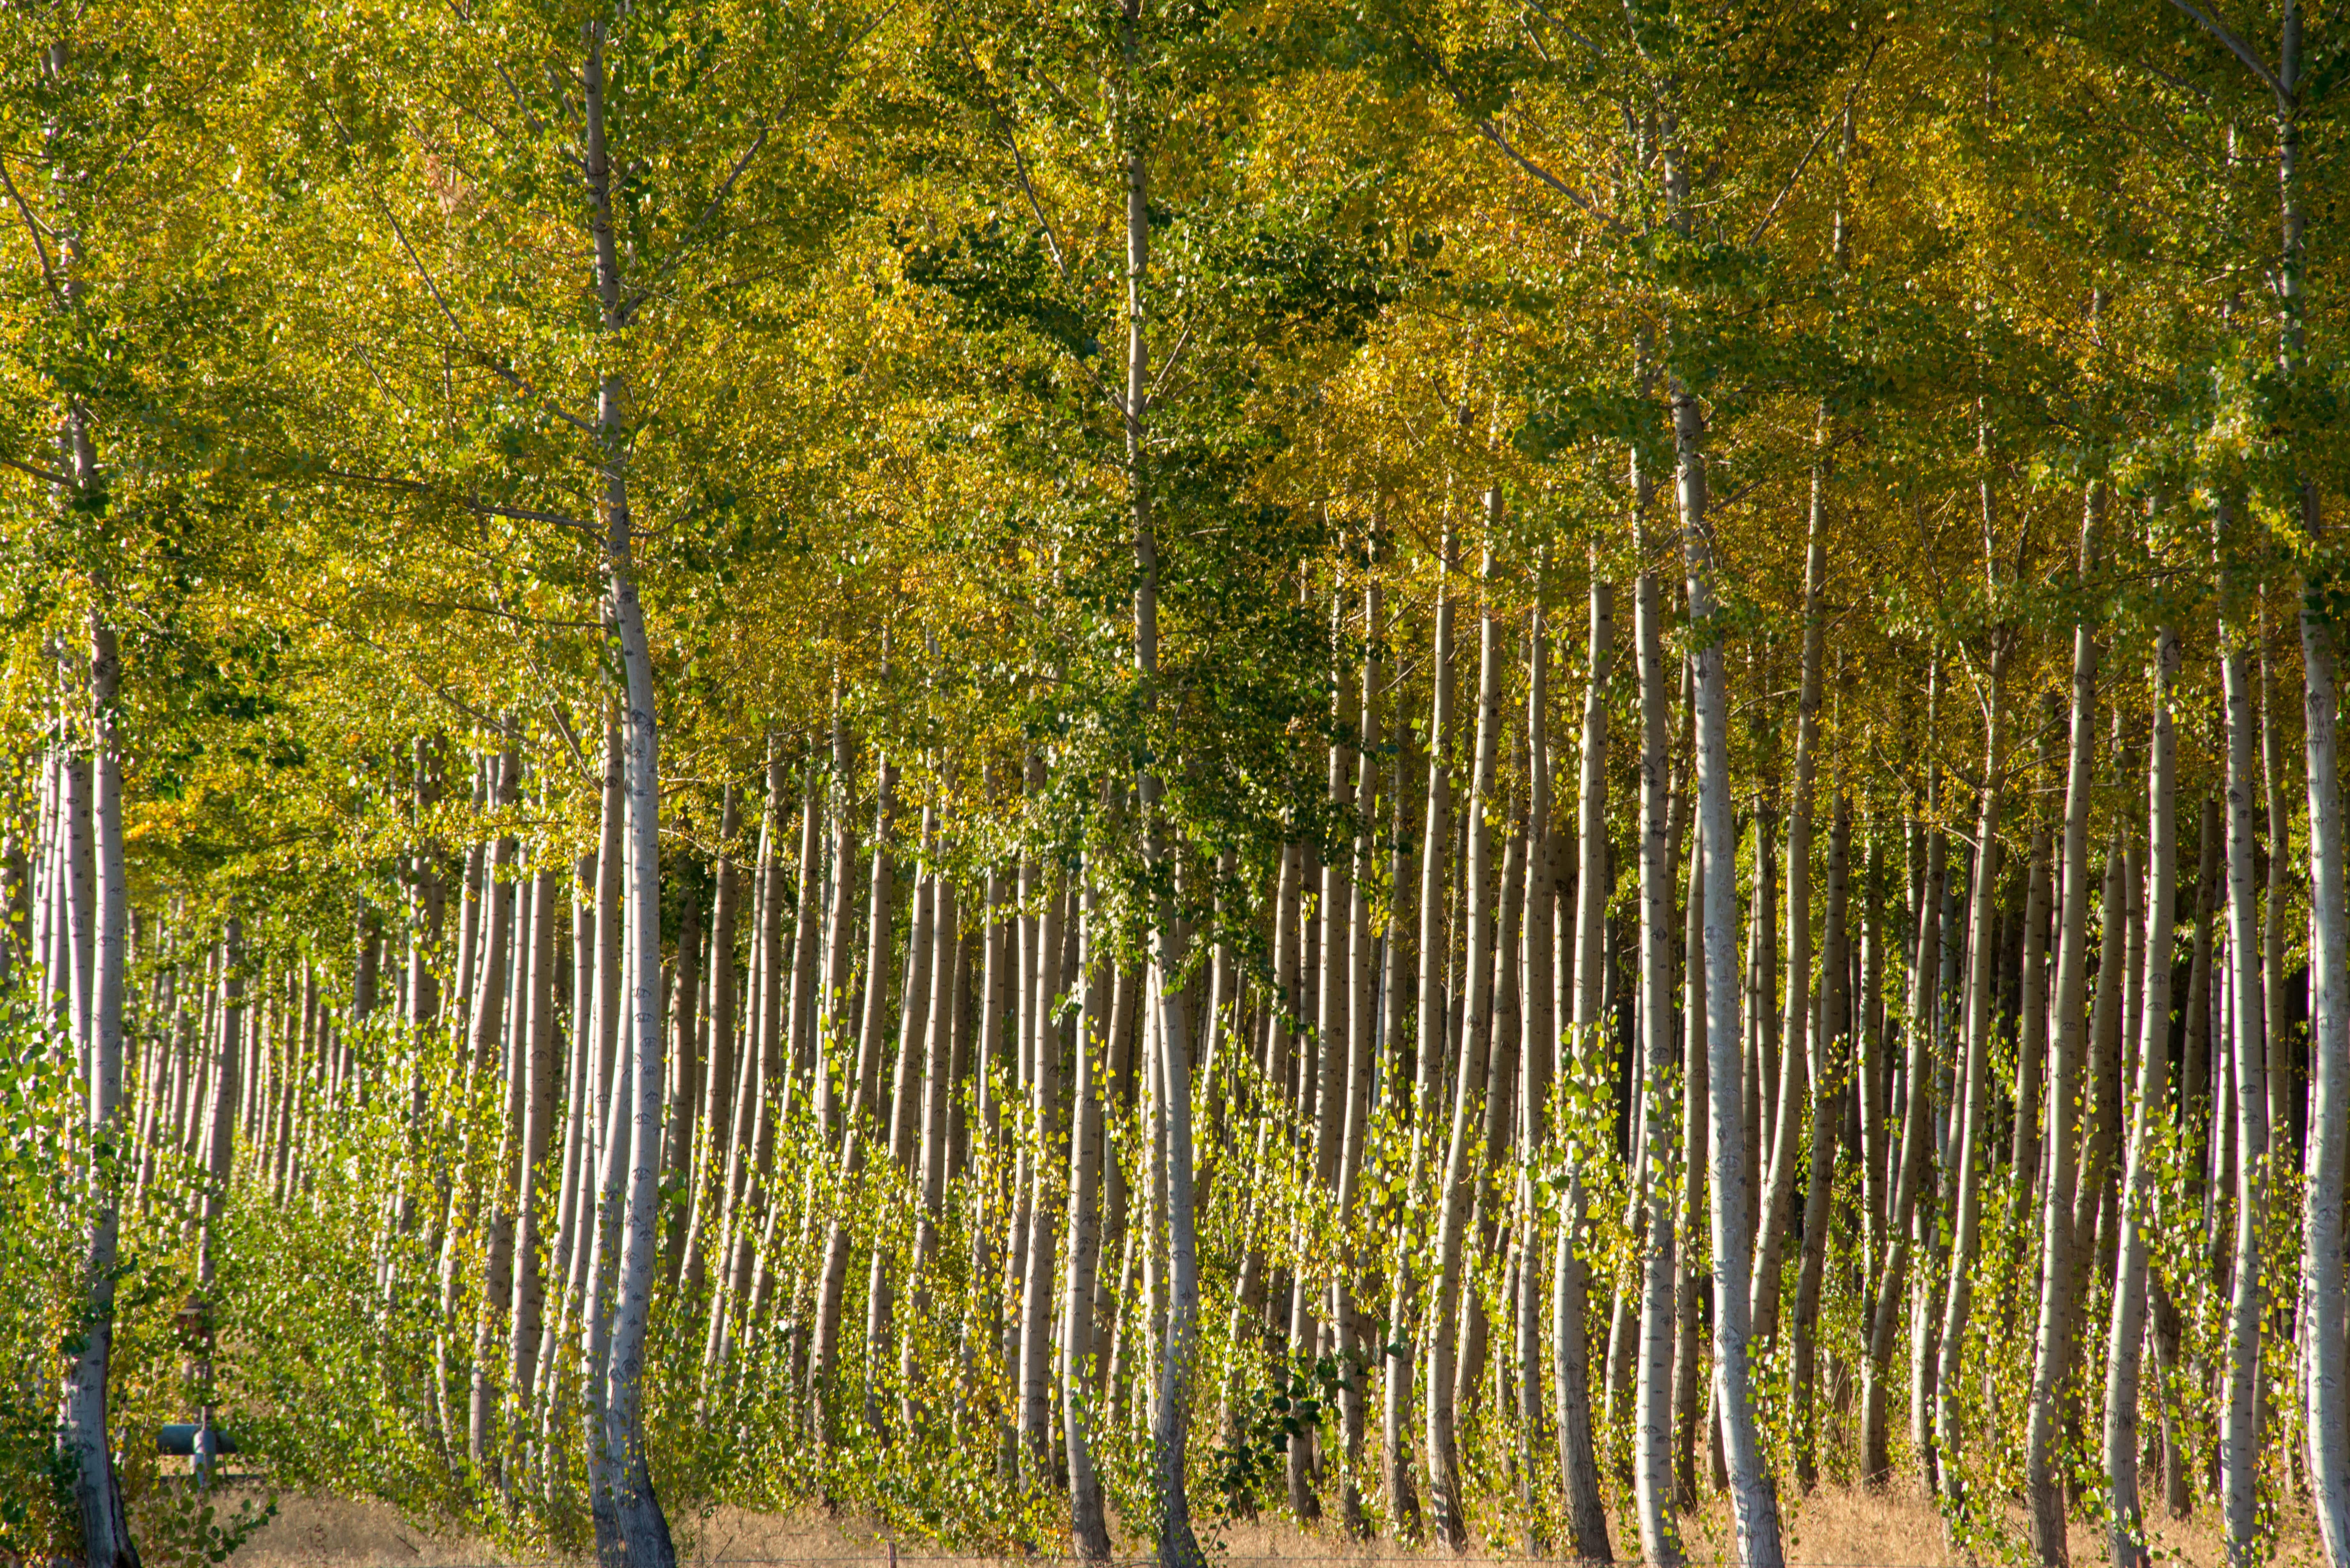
[
  {"x": 2238, "y": 1420},
  {"x": 1362, "y": 1051},
  {"x": 1171, "y": 1427},
  {"x": 539, "y": 1107},
  {"x": 2323, "y": 1317},
  {"x": 2052, "y": 1344},
  {"x": 631, "y": 1529},
  {"x": 98, "y": 1492},
  {"x": 1754, "y": 1502},
  {"x": 1973, "y": 1136},
  {"x": 1088, "y": 1525},
  {"x": 1831, "y": 1029},
  {"x": 1570, "y": 1286},
  {"x": 1403, "y": 1502},
  {"x": 1652, "y": 1459},
  {"x": 2129, "y": 1303},
  {"x": 1461, "y": 1176}
]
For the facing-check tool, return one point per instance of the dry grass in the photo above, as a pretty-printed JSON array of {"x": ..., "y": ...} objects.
[{"x": 1834, "y": 1528}]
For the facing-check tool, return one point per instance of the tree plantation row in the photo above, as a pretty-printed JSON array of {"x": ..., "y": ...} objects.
[{"x": 1481, "y": 772}]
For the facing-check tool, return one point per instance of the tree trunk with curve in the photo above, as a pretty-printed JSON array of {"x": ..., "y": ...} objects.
[
  {"x": 1754, "y": 1501},
  {"x": 1403, "y": 1503},
  {"x": 2053, "y": 1346},
  {"x": 1460, "y": 1175},
  {"x": 631, "y": 1528}
]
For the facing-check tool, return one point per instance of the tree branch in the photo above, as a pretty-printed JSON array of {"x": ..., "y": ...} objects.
[
  {"x": 33, "y": 232},
  {"x": 692, "y": 230},
  {"x": 43, "y": 473},
  {"x": 2234, "y": 46}
]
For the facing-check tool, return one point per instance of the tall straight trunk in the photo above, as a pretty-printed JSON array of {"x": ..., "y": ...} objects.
[
  {"x": 1327, "y": 1072},
  {"x": 1795, "y": 995},
  {"x": 1462, "y": 1179},
  {"x": 2238, "y": 1419},
  {"x": 770, "y": 1044},
  {"x": 2031, "y": 1021},
  {"x": 1754, "y": 1502},
  {"x": 874, "y": 1016},
  {"x": 685, "y": 1072},
  {"x": 719, "y": 1154},
  {"x": 1975, "y": 1147},
  {"x": 1170, "y": 1425},
  {"x": 1696, "y": 1091},
  {"x": 1088, "y": 1525},
  {"x": 1428, "y": 1013},
  {"x": 631, "y": 1528},
  {"x": 2194, "y": 1054},
  {"x": 1037, "y": 1274},
  {"x": 1362, "y": 1051},
  {"x": 83, "y": 1437},
  {"x": 219, "y": 1156},
  {"x": 840, "y": 923},
  {"x": 2277, "y": 1041},
  {"x": 1571, "y": 1282},
  {"x": 2324, "y": 1320},
  {"x": 1831, "y": 1030},
  {"x": 539, "y": 1108},
  {"x": 2129, "y": 1304},
  {"x": 1652, "y": 1454},
  {"x": 1541, "y": 950},
  {"x": 508, "y": 1176},
  {"x": 798, "y": 1045},
  {"x": 2053, "y": 1338}
]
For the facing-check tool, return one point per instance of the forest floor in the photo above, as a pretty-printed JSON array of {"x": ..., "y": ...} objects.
[{"x": 1834, "y": 1528}]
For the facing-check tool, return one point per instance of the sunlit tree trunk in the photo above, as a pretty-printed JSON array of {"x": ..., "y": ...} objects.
[
  {"x": 83, "y": 1437},
  {"x": 631, "y": 1528},
  {"x": 1754, "y": 1502},
  {"x": 540, "y": 1103},
  {"x": 1461, "y": 1176}
]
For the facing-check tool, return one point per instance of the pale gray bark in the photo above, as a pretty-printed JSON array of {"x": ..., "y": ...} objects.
[
  {"x": 1796, "y": 947},
  {"x": 105, "y": 917},
  {"x": 1429, "y": 1013},
  {"x": 1461, "y": 1177},
  {"x": 631, "y": 1528},
  {"x": 1363, "y": 1055},
  {"x": 1088, "y": 1525},
  {"x": 540, "y": 1105},
  {"x": 719, "y": 1154},
  {"x": 1973, "y": 1100},
  {"x": 1171, "y": 1427},
  {"x": 2123, "y": 1345},
  {"x": 2052, "y": 1355},
  {"x": 1035, "y": 1385},
  {"x": 2239, "y": 1418},
  {"x": 1754, "y": 1502},
  {"x": 2325, "y": 1381}
]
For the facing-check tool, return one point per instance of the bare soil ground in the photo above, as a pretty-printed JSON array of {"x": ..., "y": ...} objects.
[{"x": 1834, "y": 1528}]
